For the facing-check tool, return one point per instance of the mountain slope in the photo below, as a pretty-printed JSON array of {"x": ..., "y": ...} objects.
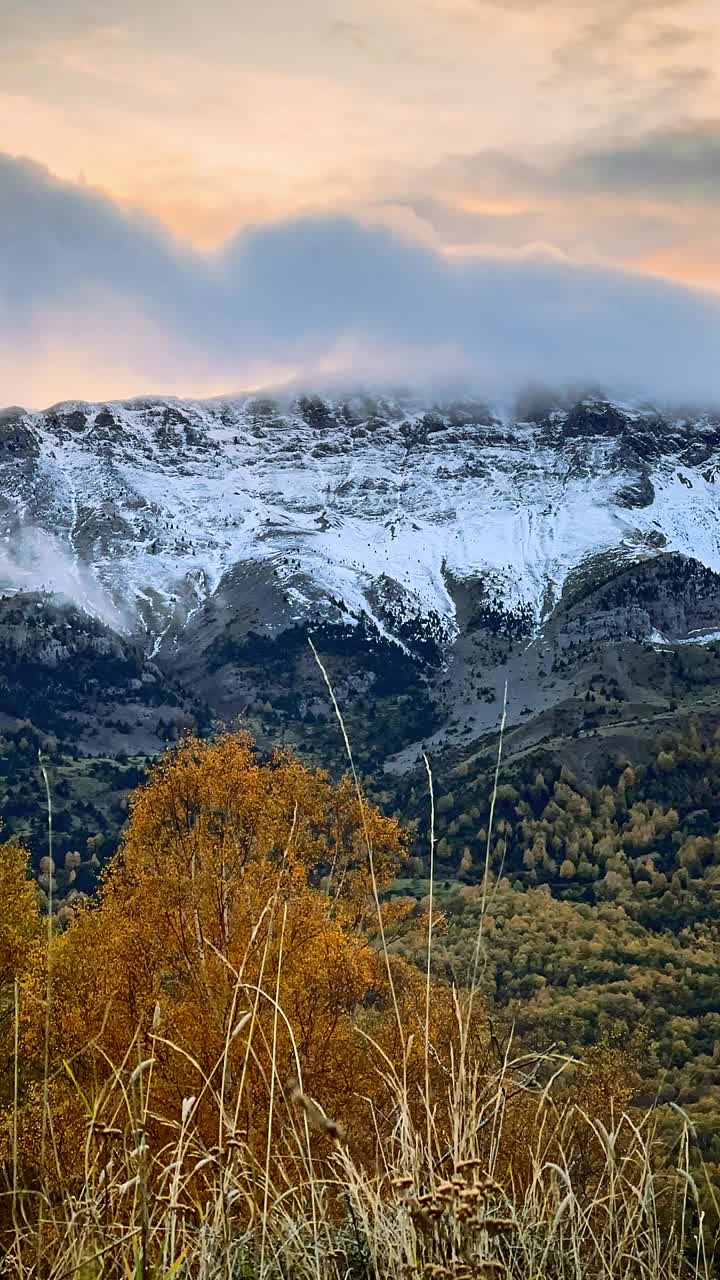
[
  {"x": 435, "y": 550},
  {"x": 160, "y": 499}
]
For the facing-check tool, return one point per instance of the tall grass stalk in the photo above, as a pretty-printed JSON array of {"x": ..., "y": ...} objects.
[
  {"x": 428, "y": 969},
  {"x": 48, "y": 998}
]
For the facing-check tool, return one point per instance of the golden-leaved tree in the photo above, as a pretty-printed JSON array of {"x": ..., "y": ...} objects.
[{"x": 233, "y": 948}]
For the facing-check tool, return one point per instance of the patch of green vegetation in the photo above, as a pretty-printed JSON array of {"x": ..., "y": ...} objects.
[
  {"x": 89, "y": 802},
  {"x": 385, "y": 693},
  {"x": 603, "y": 903}
]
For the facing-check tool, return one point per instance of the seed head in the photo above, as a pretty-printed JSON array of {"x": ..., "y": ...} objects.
[
  {"x": 497, "y": 1226},
  {"x": 316, "y": 1117}
]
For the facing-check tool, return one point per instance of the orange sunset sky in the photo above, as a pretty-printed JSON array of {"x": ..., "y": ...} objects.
[{"x": 587, "y": 128}]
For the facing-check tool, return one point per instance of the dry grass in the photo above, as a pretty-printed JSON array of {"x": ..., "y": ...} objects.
[
  {"x": 488, "y": 1171},
  {"x": 305, "y": 1207}
]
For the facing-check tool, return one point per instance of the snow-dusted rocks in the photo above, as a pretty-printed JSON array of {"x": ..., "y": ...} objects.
[{"x": 365, "y": 506}]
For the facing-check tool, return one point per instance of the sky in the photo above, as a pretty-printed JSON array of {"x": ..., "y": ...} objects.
[{"x": 195, "y": 198}]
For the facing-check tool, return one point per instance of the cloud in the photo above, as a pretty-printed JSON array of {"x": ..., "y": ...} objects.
[
  {"x": 606, "y": 36},
  {"x": 682, "y": 162},
  {"x": 95, "y": 303},
  {"x": 38, "y": 561},
  {"x": 631, "y": 199}
]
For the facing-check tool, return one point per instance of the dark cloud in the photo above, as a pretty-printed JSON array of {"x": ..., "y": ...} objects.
[
  {"x": 683, "y": 163},
  {"x": 325, "y": 292},
  {"x": 58, "y": 239},
  {"x": 680, "y": 163}
]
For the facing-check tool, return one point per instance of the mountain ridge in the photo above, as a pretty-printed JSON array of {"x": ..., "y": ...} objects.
[
  {"x": 436, "y": 550},
  {"x": 367, "y": 505}
]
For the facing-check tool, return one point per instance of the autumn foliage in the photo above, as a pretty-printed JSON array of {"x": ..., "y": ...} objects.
[
  {"x": 233, "y": 1058},
  {"x": 234, "y": 944}
]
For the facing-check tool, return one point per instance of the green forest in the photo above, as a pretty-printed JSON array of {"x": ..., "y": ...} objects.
[{"x": 600, "y": 910}]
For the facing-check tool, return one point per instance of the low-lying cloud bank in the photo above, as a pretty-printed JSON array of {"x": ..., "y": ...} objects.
[
  {"x": 37, "y": 560},
  {"x": 96, "y": 302}
]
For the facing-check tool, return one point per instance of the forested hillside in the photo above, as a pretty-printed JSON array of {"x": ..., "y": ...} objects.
[
  {"x": 259, "y": 1017},
  {"x": 601, "y": 908},
  {"x": 598, "y": 887}
]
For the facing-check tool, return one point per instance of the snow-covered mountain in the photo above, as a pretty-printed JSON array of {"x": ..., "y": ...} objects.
[
  {"x": 437, "y": 549},
  {"x": 140, "y": 510}
]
